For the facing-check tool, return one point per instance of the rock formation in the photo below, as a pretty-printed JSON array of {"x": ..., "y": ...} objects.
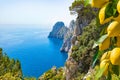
[
  {"x": 67, "y": 38},
  {"x": 75, "y": 29},
  {"x": 59, "y": 30},
  {"x": 80, "y": 55}
]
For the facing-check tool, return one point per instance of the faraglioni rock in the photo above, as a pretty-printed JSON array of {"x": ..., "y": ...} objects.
[{"x": 59, "y": 30}]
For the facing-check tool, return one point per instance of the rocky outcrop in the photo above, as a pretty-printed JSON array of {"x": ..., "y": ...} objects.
[
  {"x": 81, "y": 53},
  {"x": 82, "y": 20},
  {"x": 59, "y": 31},
  {"x": 67, "y": 38},
  {"x": 78, "y": 42},
  {"x": 75, "y": 28},
  {"x": 71, "y": 69}
]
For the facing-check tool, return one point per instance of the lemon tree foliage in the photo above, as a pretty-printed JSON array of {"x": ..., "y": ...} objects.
[{"x": 109, "y": 43}]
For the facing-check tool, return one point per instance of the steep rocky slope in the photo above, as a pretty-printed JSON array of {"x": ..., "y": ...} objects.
[
  {"x": 67, "y": 38},
  {"x": 81, "y": 53},
  {"x": 83, "y": 19}
]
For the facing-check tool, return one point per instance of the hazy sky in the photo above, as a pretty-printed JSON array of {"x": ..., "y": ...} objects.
[{"x": 43, "y": 12}]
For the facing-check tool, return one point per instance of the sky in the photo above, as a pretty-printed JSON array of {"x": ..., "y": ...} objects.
[{"x": 44, "y": 12}]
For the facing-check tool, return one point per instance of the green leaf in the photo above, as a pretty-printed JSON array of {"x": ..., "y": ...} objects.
[
  {"x": 96, "y": 56},
  {"x": 109, "y": 77},
  {"x": 111, "y": 9},
  {"x": 115, "y": 69},
  {"x": 86, "y": 2},
  {"x": 99, "y": 73},
  {"x": 101, "y": 39}
]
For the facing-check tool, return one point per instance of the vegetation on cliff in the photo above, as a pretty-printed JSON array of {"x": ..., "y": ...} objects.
[
  {"x": 53, "y": 74},
  {"x": 83, "y": 52},
  {"x": 10, "y": 69},
  {"x": 94, "y": 54},
  {"x": 81, "y": 56}
]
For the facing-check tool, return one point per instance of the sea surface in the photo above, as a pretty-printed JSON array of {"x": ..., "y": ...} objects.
[{"x": 30, "y": 44}]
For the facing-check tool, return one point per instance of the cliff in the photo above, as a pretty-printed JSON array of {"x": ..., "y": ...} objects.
[
  {"x": 59, "y": 30},
  {"x": 76, "y": 28},
  {"x": 80, "y": 64},
  {"x": 67, "y": 38},
  {"x": 80, "y": 41},
  {"x": 81, "y": 54}
]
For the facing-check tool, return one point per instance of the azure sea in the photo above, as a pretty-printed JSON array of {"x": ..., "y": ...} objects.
[{"x": 32, "y": 47}]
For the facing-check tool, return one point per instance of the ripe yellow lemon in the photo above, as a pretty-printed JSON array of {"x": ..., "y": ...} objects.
[
  {"x": 105, "y": 44},
  {"x": 115, "y": 56},
  {"x": 102, "y": 15},
  {"x": 118, "y": 6},
  {"x": 106, "y": 55},
  {"x": 117, "y": 18},
  {"x": 98, "y": 3},
  {"x": 104, "y": 64},
  {"x": 118, "y": 41},
  {"x": 113, "y": 29}
]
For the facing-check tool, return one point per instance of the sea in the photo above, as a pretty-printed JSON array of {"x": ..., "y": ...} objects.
[{"x": 32, "y": 47}]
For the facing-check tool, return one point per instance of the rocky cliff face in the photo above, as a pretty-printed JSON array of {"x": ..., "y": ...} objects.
[
  {"x": 67, "y": 38},
  {"x": 81, "y": 53},
  {"x": 59, "y": 31},
  {"x": 75, "y": 28},
  {"x": 80, "y": 40},
  {"x": 80, "y": 56}
]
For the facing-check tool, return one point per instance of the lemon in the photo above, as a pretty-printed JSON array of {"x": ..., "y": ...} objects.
[
  {"x": 104, "y": 64},
  {"x": 98, "y": 3},
  {"x": 115, "y": 56},
  {"x": 105, "y": 44},
  {"x": 117, "y": 18},
  {"x": 106, "y": 55},
  {"x": 118, "y": 6},
  {"x": 118, "y": 41},
  {"x": 102, "y": 15},
  {"x": 113, "y": 29}
]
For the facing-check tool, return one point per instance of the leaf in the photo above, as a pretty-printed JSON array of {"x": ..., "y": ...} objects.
[
  {"x": 111, "y": 9},
  {"x": 115, "y": 69},
  {"x": 115, "y": 77},
  {"x": 95, "y": 59},
  {"x": 86, "y": 2},
  {"x": 109, "y": 76},
  {"x": 103, "y": 31},
  {"x": 99, "y": 73},
  {"x": 100, "y": 40},
  {"x": 96, "y": 56}
]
